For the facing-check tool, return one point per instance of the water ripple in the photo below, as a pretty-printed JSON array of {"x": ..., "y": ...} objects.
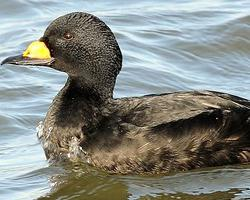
[{"x": 167, "y": 46}]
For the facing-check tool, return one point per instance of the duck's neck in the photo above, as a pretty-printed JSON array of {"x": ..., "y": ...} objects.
[
  {"x": 98, "y": 93},
  {"x": 92, "y": 90}
]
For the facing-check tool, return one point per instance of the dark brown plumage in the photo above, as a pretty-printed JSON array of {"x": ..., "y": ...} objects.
[{"x": 150, "y": 134}]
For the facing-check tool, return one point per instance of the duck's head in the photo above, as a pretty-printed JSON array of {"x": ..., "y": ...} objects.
[{"x": 81, "y": 45}]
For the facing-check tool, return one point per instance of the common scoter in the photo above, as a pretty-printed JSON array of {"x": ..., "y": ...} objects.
[{"x": 150, "y": 134}]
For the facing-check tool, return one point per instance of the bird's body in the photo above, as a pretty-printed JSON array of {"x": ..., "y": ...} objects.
[{"x": 149, "y": 134}]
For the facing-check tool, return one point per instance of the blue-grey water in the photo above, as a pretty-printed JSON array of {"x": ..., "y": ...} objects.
[{"x": 167, "y": 46}]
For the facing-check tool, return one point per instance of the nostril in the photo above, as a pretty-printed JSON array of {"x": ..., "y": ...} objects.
[{"x": 51, "y": 52}]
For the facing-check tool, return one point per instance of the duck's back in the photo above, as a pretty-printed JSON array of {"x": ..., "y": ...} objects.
[
  {"x": 178, "y": 131},
  {"x": 152, "y": 110}
]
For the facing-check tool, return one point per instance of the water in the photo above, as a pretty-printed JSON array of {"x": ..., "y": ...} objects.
[{"x": 167, "y": 46}]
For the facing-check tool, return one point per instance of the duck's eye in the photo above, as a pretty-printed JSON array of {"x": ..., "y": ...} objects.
[{"x": 68, "y": 36}]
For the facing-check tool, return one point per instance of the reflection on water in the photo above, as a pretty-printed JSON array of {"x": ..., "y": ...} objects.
[
  {"x": 82, "y": 181},
  {"x": 167, "y": 46}
]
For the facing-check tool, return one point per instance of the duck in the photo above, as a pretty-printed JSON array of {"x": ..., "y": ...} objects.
[{"x": 152, "y": 134}]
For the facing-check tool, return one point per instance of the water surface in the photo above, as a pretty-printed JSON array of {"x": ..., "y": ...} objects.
[{"x": 167, "y": 46}]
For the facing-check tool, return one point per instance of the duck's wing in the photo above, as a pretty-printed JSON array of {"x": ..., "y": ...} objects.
[
  {"x": 157, "y": 110},
  {"x": 193, "y": 129}
]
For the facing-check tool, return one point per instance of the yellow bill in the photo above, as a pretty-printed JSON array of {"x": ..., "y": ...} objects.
[
  {"x": 37, "y": 54},
  {"x": 37, "y": 50}
]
